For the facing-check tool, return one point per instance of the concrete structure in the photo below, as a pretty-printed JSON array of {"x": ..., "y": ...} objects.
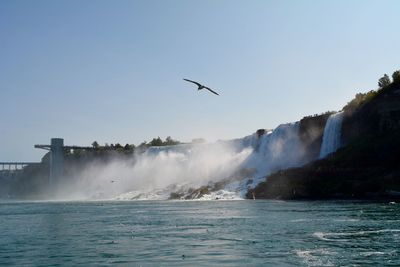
[
  {"x": 56, "y": 149},
  {"x": 56, "y": 160}
]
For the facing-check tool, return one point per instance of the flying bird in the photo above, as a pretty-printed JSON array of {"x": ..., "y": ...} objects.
[{"x": 201, "y": 86}]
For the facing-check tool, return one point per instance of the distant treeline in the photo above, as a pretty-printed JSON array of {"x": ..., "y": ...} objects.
[
  {"x": 319, "y": 114},
  {"x": 128, "y": 148},
  {"x": 111, "y": 151},
  {"x": 362, "y": 98},
  {"x": 155, "y": 142}
]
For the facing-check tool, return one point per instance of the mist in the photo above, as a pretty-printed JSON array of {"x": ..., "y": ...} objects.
[
  {"x": 220, "y": 170},
  {"x": 159, "y": 169}
]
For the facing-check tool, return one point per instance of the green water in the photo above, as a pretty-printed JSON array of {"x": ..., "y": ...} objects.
[{"x": 199, "y": 233}]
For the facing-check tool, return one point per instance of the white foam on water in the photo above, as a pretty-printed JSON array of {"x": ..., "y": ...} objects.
[
  {"x": 315, "y": 257},
  {"x": 372, "y": 253},
  {"x": 346, "y": 220},
  {"x": 346, "y": 236},
  {"x": 321, "y": 236},
  {"x": 309, "y": 220},
  {"x": 221, "y": 195}
]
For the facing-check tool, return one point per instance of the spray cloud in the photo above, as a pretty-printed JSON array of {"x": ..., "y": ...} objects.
[{"x": 159, "y": 168}]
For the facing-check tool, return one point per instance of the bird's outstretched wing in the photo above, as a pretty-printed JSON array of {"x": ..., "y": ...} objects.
[
  {"x": 193, "y": 82},
  {"x": 211, "y": 90}
]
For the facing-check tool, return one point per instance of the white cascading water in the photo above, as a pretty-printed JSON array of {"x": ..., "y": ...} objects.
[
  {"x": 276, "y": 150},
  {"x": 160, "y": 171},
  {"x": 157, "y": 172},
  {"x": 332, "y": 135}
]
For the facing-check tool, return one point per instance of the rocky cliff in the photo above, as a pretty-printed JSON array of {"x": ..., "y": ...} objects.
[
  {"x": 311, "y": 131},
  {"x": 367, "y": 166}
]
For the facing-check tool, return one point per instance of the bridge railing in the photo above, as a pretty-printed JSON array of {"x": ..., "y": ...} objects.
[{"x": 11, "y": 166}]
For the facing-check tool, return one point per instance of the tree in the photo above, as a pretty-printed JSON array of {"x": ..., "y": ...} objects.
[
  {"x": 384, "y": 81},
  {"x": 360, "y": 99},
  {"x": 142, "y": 147},
  {"x": 156, "y": 142},
  {"x": 95, "y": 145},
  {"x": 170, "y": 142},
  {"x": 396, "y": 76},
  {"x": 129, "y": 147}
]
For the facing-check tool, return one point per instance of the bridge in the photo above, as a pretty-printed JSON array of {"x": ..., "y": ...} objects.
[
  {"x": 57, "y": 152},
  {"x": 12, "y": 169},
  {"x": 10, "y": 166}
]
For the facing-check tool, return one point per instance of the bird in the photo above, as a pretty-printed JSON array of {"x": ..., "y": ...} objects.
[{"x": 201, "y": 86}]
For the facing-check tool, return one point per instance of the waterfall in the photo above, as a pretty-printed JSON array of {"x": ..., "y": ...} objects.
[
  {"x": 332, "y": 134},
  {"x": 225, "y": 168},
  {"x": 278, "y": 149}
]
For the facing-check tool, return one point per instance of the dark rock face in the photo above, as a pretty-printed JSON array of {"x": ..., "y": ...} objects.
[
  {"x": 311, "y": 132},
  {"x": 327, "y": 182},
  {"x": 260, "y": 132},
  {"x": 368, "y": 166},
  {"x": 378, "y": 116}
]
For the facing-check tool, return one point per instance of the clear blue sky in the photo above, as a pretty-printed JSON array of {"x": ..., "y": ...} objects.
[{"x": 112, "y": 71}]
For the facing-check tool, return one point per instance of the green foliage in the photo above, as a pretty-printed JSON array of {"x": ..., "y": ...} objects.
[
  {"x": 360, "y": 99},
  {"x": 170, "y": 142},
  {"x": 319, "y": 114},
  {"x": 95, "y": 145},
  {"x": 159, "y": 142},
  {"x": 396, "y": 76},
  {"x": 384, "y": 81},
  {"x": 156, "y": 142},
  {"x": 129, "y": 147}
]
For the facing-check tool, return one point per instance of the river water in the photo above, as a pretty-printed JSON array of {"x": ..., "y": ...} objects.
[{"x": 199, "y": 233}]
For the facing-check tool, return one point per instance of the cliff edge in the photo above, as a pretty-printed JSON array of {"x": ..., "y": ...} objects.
[{"x": 367, "y": 165}]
